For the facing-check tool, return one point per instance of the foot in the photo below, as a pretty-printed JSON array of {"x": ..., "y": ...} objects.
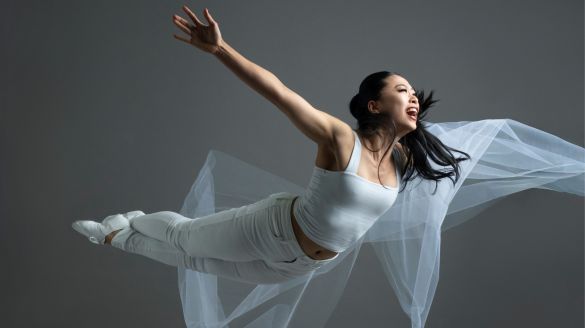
[{"x": 96, "y": 232}]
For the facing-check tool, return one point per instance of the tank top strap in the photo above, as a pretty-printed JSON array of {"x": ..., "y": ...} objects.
[{"x": 354, "y": 160}]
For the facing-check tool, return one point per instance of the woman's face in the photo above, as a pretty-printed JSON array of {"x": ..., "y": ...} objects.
[{"x": 397, "y": 99}]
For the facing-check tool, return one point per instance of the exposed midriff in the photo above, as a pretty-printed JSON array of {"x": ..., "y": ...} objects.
[{"x": 309, "y": 247}]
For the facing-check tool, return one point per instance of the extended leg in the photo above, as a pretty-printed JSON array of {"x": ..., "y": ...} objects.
[
  {"x": 255, "y": 272},
  {"x": 235, "y": 235}
]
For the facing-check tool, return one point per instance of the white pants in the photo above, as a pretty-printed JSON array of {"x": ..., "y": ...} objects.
[{"x": 253, "y": 243}]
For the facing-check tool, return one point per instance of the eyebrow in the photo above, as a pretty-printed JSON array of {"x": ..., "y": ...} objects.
[{"x": 404, "y": 85}]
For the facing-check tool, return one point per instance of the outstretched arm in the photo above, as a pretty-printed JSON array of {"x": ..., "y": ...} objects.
[{"x": 319, "y": 126}]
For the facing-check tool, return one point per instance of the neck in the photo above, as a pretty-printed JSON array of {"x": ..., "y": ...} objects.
[{"x": 377, "y": 146}]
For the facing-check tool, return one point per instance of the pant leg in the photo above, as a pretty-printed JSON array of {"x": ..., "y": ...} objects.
[
  {"x": 255, "y": 272},
  {"x": 237, "y": 235}
]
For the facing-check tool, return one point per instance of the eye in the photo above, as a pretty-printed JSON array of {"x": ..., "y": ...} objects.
[{"x": 402, "y": 90}]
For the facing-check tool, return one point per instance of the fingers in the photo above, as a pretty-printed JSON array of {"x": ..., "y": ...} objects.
[
  {"x": 182, "y": 24},
  {"x": 208, "y": 17},
  {"x": 193, "y": 17}
]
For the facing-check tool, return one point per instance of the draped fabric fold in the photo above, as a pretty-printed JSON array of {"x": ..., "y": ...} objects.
[{"x": 506, "y": 157}]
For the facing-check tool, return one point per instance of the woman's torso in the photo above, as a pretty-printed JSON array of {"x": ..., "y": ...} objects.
[{"x": 336, "y": 158}]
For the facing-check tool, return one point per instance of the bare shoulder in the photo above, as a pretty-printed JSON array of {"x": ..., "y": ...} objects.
[{"x": 342, "y": 134}]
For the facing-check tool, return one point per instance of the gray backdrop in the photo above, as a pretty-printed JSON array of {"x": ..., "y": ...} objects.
[{"x": 102, "y": 111}]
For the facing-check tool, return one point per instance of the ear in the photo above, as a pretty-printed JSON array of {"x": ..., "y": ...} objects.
[{"x": 373, "y": 107}]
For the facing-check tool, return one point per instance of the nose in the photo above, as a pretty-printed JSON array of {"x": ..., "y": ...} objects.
[{"x": 413, "y": 97}]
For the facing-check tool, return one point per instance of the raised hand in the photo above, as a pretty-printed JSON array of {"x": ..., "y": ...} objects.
[{"x": 205, "y": 37}]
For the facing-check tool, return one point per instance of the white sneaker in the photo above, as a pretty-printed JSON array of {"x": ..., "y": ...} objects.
[{"x": 97, "y": 232}]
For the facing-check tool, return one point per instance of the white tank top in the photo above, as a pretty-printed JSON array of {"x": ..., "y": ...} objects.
[{"x": 338, "y": 207}]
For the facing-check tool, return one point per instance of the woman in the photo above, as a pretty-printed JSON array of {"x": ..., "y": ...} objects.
[
  {"x": 357, "y": 182},
  {"x": 239, "y": 243}
]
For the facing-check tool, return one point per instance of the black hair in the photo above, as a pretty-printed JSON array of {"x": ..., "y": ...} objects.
[{"x": 416, "y": 145}]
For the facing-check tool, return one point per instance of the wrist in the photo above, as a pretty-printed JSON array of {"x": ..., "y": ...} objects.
[{"x": 220, "y": 48}]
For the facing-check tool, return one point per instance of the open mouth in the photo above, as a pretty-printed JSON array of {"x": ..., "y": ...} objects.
[{"x": 412, "y": 113}]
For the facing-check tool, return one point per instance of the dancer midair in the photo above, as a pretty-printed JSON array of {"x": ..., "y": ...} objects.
[
  {"x": 356, "y": 179},
  {"x": 357, "y": 194}
]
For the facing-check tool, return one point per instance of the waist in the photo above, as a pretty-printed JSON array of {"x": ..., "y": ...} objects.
[{"x": 309, "y": 247}]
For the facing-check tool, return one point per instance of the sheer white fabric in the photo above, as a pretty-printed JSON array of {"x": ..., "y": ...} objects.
[{"x": 506, "y": 157}]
